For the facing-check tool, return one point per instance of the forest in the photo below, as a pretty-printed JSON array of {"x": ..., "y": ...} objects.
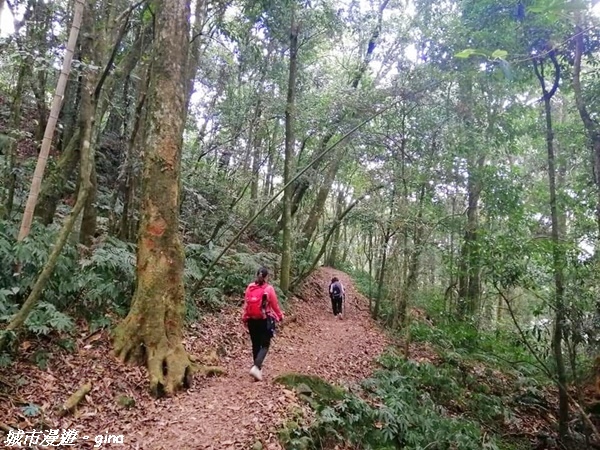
[{"x": 441, "y": 157}]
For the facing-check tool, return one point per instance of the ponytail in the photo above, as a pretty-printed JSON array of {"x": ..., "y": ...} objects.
[{"x": 261, "y": 276}]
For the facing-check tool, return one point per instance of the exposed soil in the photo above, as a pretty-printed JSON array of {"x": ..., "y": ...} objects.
[{"x": 231, "y": 411}]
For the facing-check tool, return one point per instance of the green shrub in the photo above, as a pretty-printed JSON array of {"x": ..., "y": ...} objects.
[{"x": 403, "y": 406}]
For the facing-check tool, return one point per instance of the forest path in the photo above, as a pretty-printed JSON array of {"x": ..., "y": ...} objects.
[{"x": 233, "y": 411}]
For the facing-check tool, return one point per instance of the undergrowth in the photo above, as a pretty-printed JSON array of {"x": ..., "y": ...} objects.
[
  {"x": 406, "y": 405},
  {"x": 97, "y": 284}
]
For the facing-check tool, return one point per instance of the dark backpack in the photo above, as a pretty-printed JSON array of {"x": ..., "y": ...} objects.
[{"x": 336, "y": 290}]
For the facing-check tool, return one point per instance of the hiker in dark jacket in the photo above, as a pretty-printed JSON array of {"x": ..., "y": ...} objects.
[
  {"x": 337, "y": 295},
  {"x": 261, "y": 311}
]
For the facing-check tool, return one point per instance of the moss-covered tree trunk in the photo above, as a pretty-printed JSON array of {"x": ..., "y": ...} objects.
[
  {"x": 54, "y": 185},
  {"x": 40, "y": 167},
  {"x": 152, "y": 332},
  {"x": 286, "y": 250}
]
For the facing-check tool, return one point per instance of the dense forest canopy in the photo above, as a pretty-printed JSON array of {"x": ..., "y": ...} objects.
[{"x": 446, "y": 153}]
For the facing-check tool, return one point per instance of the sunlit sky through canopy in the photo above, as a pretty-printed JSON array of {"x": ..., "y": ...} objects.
[{"x": 6, "y": 20}]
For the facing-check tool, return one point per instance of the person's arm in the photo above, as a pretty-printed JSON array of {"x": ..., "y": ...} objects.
[
  {"x": 274, "y": 303},
  {"x": 245, "y": 312}
]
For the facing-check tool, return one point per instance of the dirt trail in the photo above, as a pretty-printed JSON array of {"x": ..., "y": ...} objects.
[
  {"x": 234, "y": 411},
  {"x": 221, "y": 413}
]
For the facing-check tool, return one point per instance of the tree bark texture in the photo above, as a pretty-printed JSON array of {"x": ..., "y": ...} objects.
[
  {"x": 592, "y": 127},
  {"x": 287, "y": 244},
  {"x": 51, "y": 125},
  {"x": 558, "y": 254},
  {"x": 152, "y": 332},
  {"x": 67, "y": 226}
]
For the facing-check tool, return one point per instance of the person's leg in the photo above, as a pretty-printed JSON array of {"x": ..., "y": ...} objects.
[
  {"x": 333, "y": 306},
  {"x": 265, "y": 342},
  {"x": 336, "y": 306},
  {"x": 255, "y": 337}
]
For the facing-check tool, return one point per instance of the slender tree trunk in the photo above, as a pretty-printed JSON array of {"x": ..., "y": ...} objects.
[
  {"x": 317, "y": 209},
  {"x": 287, "y": 244},
  {"x": 469, "y": 279},
  {"x": 53, "y": 186},
  {"x": 89, "y": 219},
  {"x": 558, "y": 251},
  {"x": 67, "y": 227},
  {"x": 51, "y": 125},
  {"x": 381, "y": 273},
  {"x": 469, "y": 265},
  {"x": 335, "y": 241},
  {"x": 15, "y": 122},
  {"x": 152, "y": 332},
  {"x": 334, "y": 226},
  {"x": 412, "y": 265},
  {"x": 592, "y": 127},
  {"x": 256, "y": 156},
  {"x": 128, "y": 176},
  {"x": 370, "y": 262}
]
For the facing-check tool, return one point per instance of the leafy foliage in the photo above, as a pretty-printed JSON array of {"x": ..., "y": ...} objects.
[{"x": 406, "y": 405}]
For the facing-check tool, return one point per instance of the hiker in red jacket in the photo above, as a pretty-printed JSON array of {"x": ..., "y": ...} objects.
[{"x": 261, "y": 311}]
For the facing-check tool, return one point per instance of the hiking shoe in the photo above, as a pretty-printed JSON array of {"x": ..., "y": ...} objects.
[
  {"x": 256, "y": 373},
  {"x": 340, "y": 316}
]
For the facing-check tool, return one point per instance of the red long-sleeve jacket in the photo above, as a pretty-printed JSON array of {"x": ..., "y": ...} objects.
[{"x": 273, "y": 309}]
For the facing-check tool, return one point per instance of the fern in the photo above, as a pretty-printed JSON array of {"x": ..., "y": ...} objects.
[
  {"x": 400, "y": 413},
  {"x": 45, "y": 319},
  {"x": 107, "y": 276}
]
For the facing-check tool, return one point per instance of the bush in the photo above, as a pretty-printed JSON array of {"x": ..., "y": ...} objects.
[
  {"x": 29, "y": 256},
  {"x": 404, "y": 406}
]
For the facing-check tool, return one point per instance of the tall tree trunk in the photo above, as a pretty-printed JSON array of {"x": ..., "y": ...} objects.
[
  {"x": 334, "y": 226},
  {"x": 152, "y": 332},
  {"x": 370, "y": 263},
  {"x": 15, "y": 122},
  {"x": 558, "y": 251},
  {"x": 287, "y": 244},
  {"x": 67, "y": 226},
  {"x": 51, "y": 125},
  {"x": 592, "y": 127},
  {"x": 53, "y": 186},
  {"x": 318, "y": 206},
  {"x": 317, "y": 209},
  {"x": 331, "y": 259},
  {"x": 469, "y": 279},
  {"x": 381, "y": 272},
  {"x": 469, "y": 265},
  {"x": 412, "y": 264},
  {"x": 101, "y": 48}
]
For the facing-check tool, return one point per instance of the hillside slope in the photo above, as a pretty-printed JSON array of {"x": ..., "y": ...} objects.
[
  {"x": 233, "y": 411},
  {"x": 230, "y": 411}
]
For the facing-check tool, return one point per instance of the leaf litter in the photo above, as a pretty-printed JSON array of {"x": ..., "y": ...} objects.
[
  {"x": 231, "y": 411},
  {"x": 228, "y": 412}
]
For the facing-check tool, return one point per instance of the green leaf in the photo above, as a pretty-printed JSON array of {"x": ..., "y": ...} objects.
[
  {"x": 466, "y": 53},
  {"x": 499, "y": 54}
]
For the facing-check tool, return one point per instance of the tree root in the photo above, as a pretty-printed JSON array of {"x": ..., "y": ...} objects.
[
  {"x": 75, "y": 399},
  {"x": 209, "y": 371},
  {"x": 169, "y": 366},
  {"x": 6, "y": 428}
]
